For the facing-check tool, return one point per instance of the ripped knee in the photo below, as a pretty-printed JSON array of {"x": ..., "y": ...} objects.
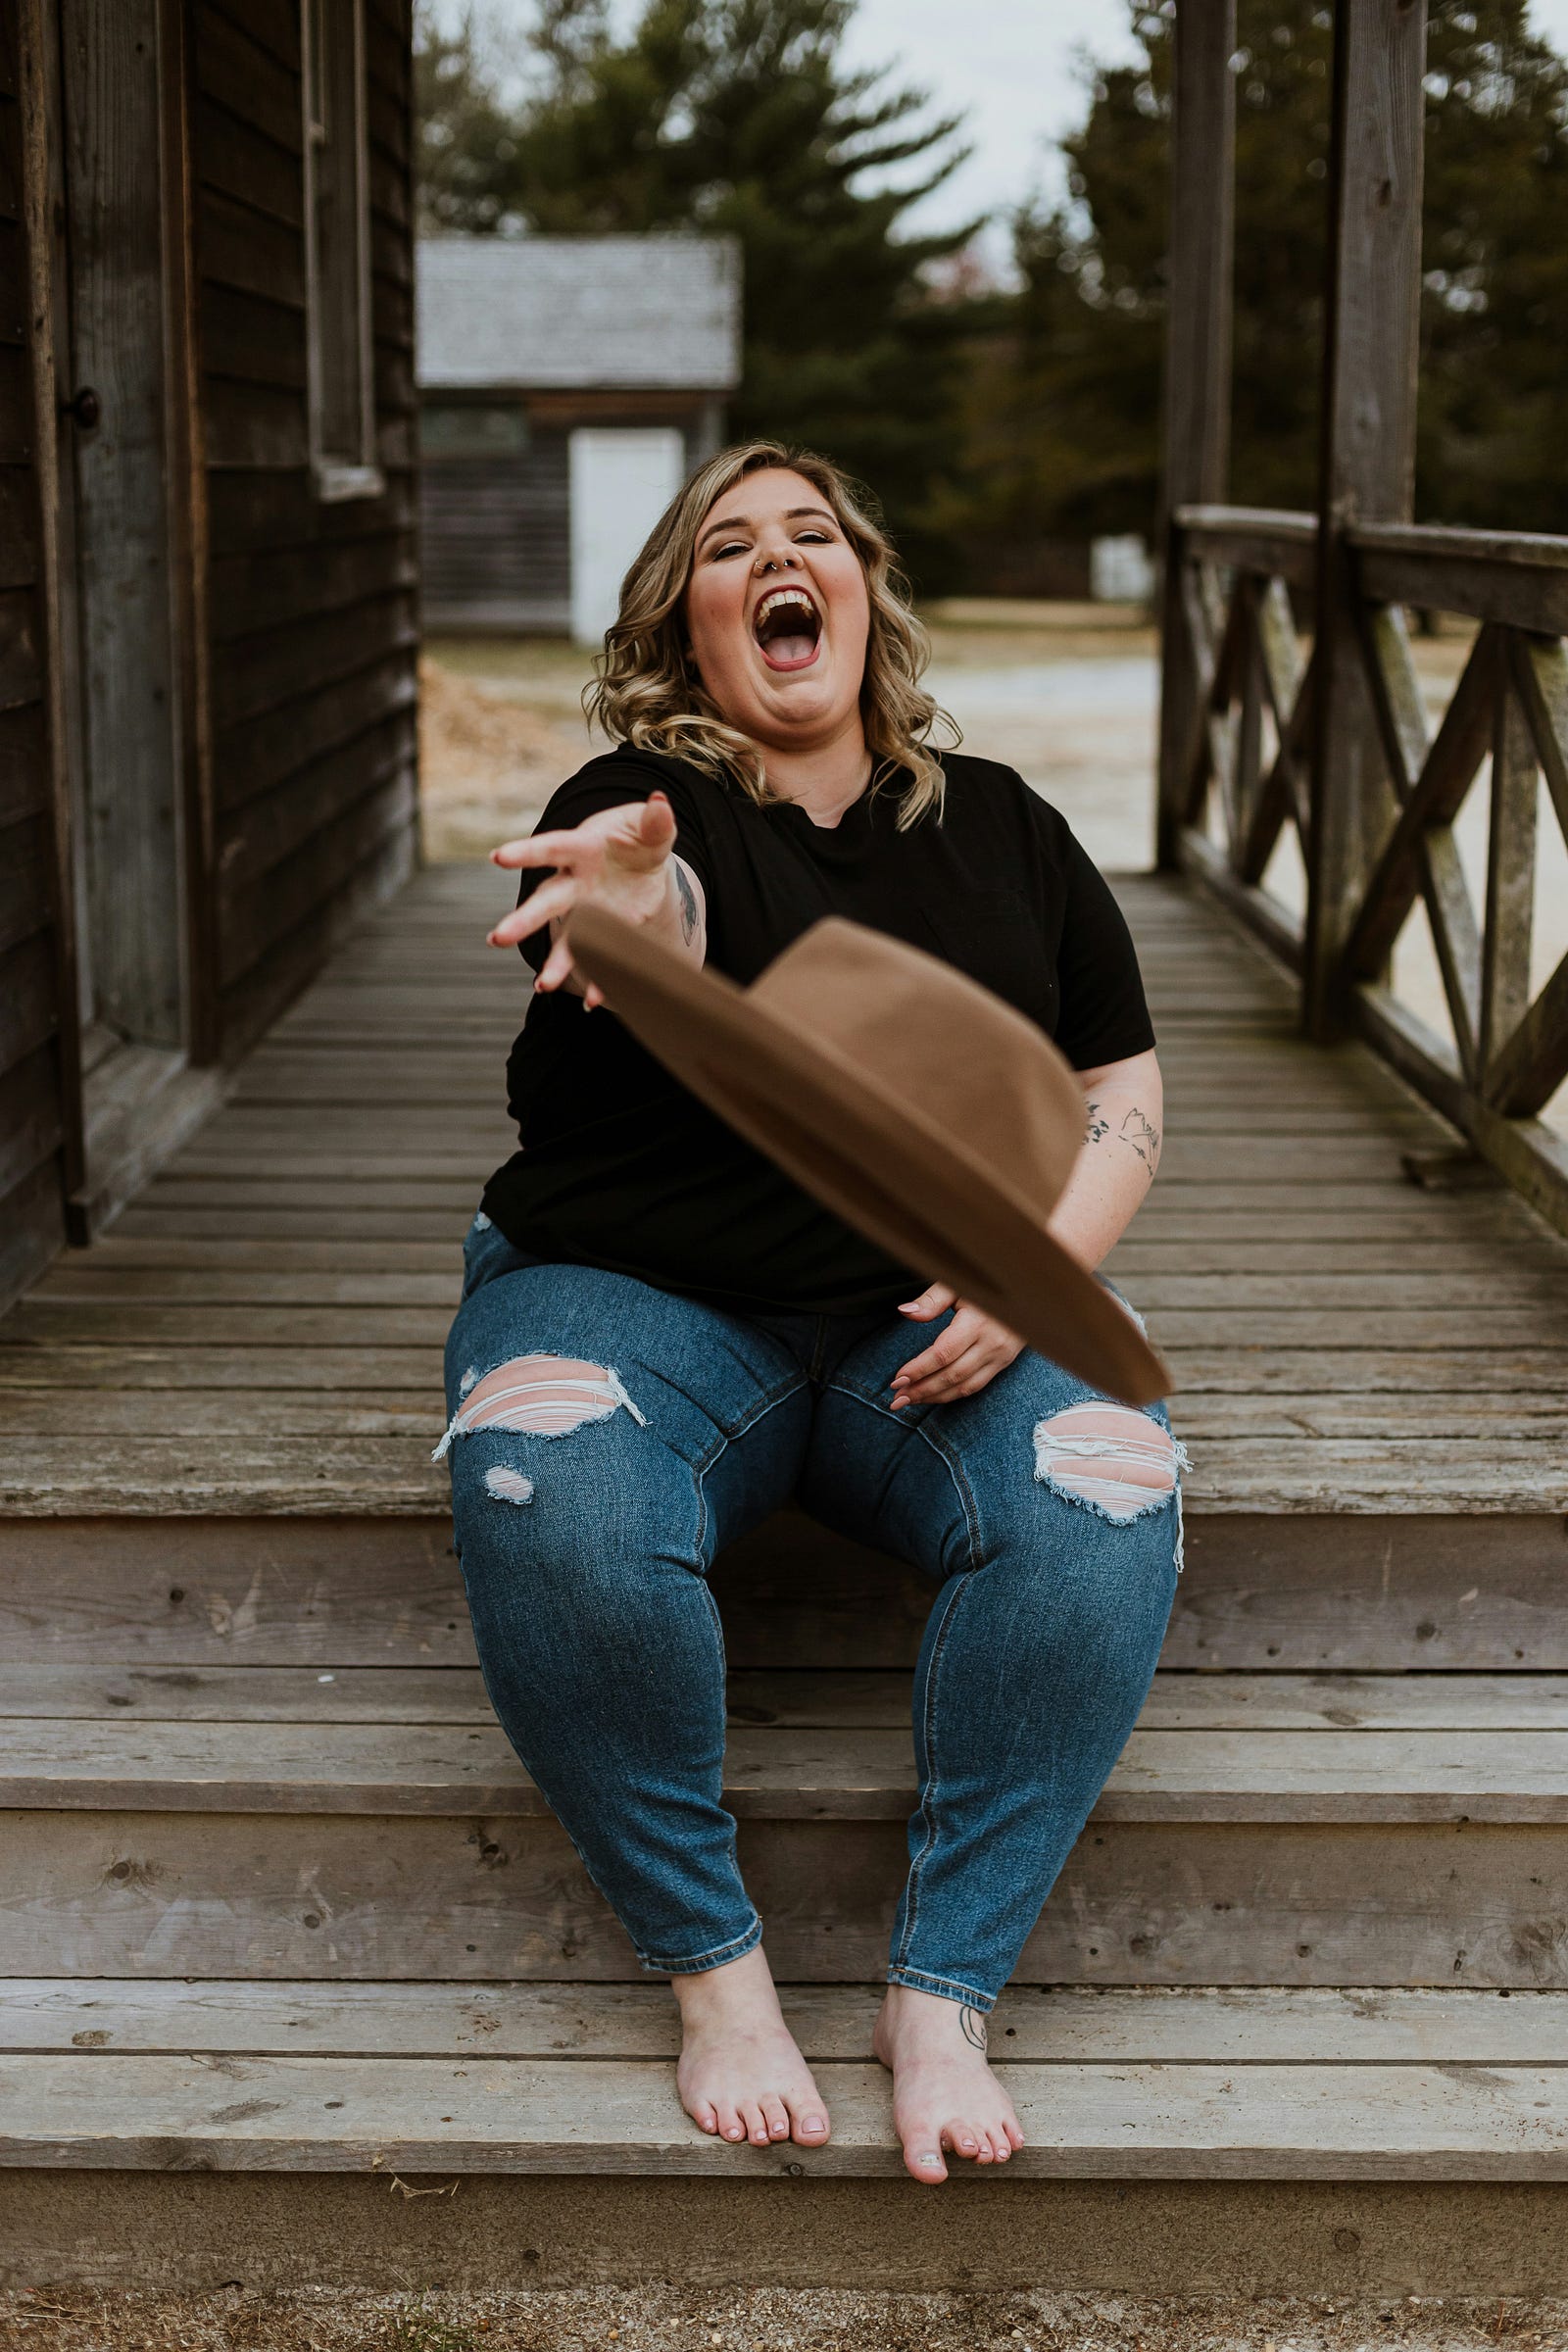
[
  {"x": 540, "y": 1395},
  {"x": 1115, "y": 1461}
]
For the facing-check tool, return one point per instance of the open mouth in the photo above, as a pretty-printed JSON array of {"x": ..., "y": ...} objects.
[{"x": 788, "y": 628}]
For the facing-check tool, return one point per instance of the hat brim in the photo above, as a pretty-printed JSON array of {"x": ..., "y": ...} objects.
[{"x": 866, "y": 1154}]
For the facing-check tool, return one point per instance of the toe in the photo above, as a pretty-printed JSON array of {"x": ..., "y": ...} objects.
[
  {"x": 730, "y": 2124},
  {"x": 1000, "y": 2146},
  {"x": 1014, "y": 2130},
  {"x": 962, "y": 2140},
  {"x": 702, "y": 2115},
  {"x": 810, "y": 2124},
  {"x": 776, "y": 2118},
  {"x": 755, "y": 2126},
  {"x": 922, "y": 2157}
]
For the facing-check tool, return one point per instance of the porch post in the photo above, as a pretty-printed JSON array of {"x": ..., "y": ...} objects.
[
  {"x": 1367, "y": 458},
  {"x": 1197, "y": 351}
]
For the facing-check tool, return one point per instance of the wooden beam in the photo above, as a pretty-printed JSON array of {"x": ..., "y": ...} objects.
[
  {"x": 1510, "y": 882},
  {"x": 1197, "y": 351},
  {"x": 1366, "y": 472}
]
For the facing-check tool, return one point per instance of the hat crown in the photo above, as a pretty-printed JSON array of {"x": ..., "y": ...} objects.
[{"x": 955, "y": 1053}]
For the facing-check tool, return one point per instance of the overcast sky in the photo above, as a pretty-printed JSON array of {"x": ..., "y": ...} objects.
[{"x": 1013, "y": 66}]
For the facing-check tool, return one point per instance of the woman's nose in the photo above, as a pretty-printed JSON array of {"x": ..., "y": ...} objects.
[{"x": 775, "y": 560}]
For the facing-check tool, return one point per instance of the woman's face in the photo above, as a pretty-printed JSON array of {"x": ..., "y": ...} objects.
[{"x": 777, "y": 612}]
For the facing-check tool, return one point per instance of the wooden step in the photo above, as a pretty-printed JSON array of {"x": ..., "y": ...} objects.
[
  {"x": 1443, "y": 2085},
  {"x": 836, "y": 1772},
  {"x": 1268, "y": 1593},
  {"x": 1250, "y": 1832}
]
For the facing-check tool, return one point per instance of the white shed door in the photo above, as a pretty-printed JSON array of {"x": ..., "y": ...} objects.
[{"x": 622, "y": 478}]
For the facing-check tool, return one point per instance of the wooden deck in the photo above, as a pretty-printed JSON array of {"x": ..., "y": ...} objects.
[
  {"x": 260, "y": 1330},
  {"x": 259, "y": 1828}
]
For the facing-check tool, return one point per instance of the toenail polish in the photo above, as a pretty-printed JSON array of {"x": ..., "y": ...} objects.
[{"x": 933, "y": 2158}]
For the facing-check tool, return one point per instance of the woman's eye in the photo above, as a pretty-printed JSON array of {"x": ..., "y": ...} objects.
[
  {"x": 736, "y": 547},
  {"x": 820, "y": 538}
]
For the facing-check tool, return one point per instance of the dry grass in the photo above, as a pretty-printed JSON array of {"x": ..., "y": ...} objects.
[
  {"x": 663, "y": 2318},
  {"x": 487, "y": 763}
]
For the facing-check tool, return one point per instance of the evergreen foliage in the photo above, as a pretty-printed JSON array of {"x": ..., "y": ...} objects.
[
  {"x": 1064, "y": 426},
  {"x": 737, "y": 117}
]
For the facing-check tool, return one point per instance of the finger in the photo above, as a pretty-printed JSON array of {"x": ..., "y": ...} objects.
[
  {"x": 963, "y": 1332},
  {"x": 592, "y": 995},
  {"x": 557, "y": 966},
  {"x": 971, "y": 1372},
  {"x": 935, "y": 1299},
  {"x": 540, "y": 907},
  {"x": 658, "y": 820},
  {"x": 540, "y": 849}
]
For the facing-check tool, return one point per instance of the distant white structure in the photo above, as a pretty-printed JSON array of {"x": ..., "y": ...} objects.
[
  {"x": 622, "y": 478},
  {"x": 566, "y": 385},
  {"x": 1121, "y": 571}
]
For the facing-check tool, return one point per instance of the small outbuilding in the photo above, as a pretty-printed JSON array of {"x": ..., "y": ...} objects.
[{"x": 566, "y": 386}]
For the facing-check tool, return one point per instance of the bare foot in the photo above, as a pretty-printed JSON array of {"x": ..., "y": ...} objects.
[
  {"x": 944, "y": 2093},
  {"x": 740, "y": 2073}
]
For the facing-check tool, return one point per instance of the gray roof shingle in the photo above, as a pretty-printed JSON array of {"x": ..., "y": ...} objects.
[{"x": 556, "y": 313}]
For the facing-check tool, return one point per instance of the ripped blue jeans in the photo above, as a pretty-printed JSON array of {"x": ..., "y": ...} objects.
[{"x": 607, "y": 1440}]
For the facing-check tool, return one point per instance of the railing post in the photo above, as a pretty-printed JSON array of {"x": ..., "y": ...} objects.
[
  {"x": 1198, "y": 350},
  {"x": 1371, "y": 319}
]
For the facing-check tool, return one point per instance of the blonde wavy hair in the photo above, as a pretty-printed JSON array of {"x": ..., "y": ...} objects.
[{"x": 647, "y": 693}]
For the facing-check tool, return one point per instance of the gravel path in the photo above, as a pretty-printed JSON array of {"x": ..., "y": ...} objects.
[{"x": 771, "y": 2320}]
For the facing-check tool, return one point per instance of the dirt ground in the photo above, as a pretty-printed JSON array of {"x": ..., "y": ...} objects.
[
  {"x": 1067, "y": 694},
  {"x": 771, "y": 2319}
]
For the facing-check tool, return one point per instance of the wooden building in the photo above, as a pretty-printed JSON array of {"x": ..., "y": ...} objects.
[
  {"x": 566, "y": 386},
  {"x": 207, "y": 555}
]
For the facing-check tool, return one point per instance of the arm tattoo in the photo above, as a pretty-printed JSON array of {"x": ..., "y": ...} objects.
[
  {"x": 1144, "y": 1138},
  {"x": 974, "y": 2027},
  {"x": 1097, "y": 1126},
  {"x": 688, "y": 903}
]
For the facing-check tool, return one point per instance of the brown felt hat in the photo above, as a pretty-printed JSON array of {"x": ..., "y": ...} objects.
[{"x": 921, "y": 1108}]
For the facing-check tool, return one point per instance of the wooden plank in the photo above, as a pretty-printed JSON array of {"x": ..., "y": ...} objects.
[
  {"x": 470, "y": 1898},
  {"x": 1360, "y": 1295},
  {"x": 1148, "y": 2024},
  {"x": 587, "y": 2114},
  {"x": 1287, "y": 1594},
  {"x": 803, "y": 1698},
  {"x": 252, "y": 1372},
  {"x": 120, "y": 1762},
  {"x": 1372, "y": 318},
  {"x": 1196, "y": 404},
  {"x": 1494, "y": 589}
]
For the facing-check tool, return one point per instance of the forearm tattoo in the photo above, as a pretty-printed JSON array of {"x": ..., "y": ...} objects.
[
  {"x": 1137, "y": 1132},
  {"x": 688, "y": 905},
  {"x": 973, "y": 2026}
]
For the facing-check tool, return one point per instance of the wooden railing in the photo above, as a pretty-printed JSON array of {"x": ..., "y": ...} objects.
[{"x": 1242, "y": 761}]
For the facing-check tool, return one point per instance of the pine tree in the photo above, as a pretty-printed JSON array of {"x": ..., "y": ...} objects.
[
  {"x": 739, "y": 117},
  {"x": 1067, "y": 430}
]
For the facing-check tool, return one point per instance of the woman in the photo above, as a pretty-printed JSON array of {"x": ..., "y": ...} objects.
[{"x": 662, "y": 1339}]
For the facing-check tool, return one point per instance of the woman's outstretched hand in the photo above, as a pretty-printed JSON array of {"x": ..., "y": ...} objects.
[
  {"x": 622, "y": 859},
  {"x": 961, "y": 1361}
]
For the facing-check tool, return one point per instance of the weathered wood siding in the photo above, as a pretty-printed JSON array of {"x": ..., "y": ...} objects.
[
  {"x": 312, "y": 605},
  {"x": 32, "y": 1094},
  {"x": 496, "y": 537}
]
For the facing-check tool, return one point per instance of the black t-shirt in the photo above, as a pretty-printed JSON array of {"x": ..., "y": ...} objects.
[{"x": 621, "y": 1167}]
